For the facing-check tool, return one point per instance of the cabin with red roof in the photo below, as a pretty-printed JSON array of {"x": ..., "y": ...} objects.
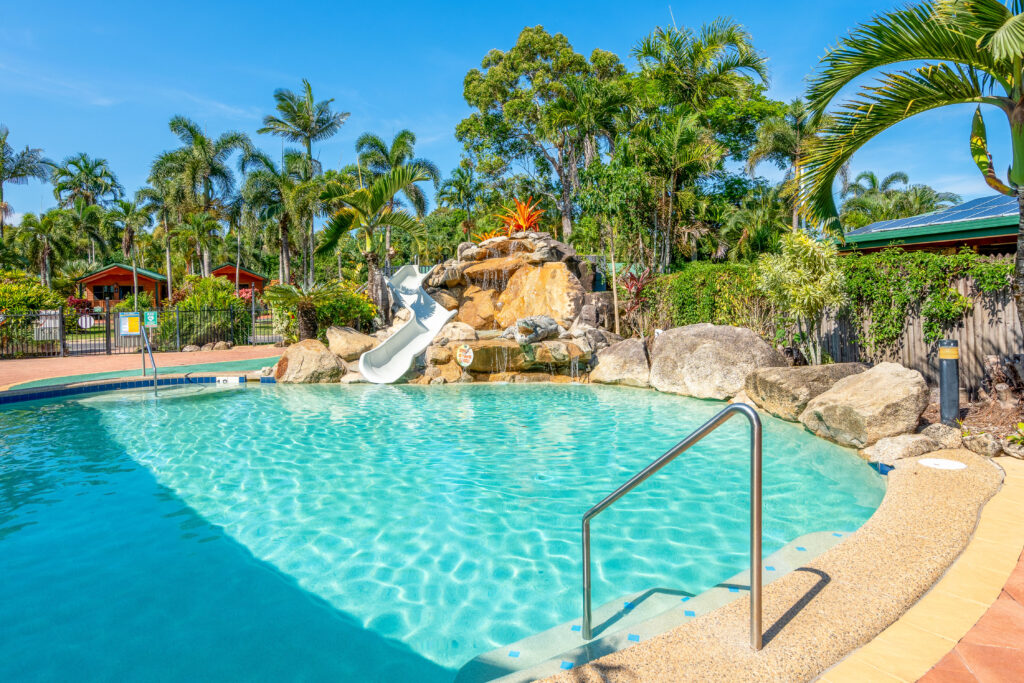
[
  {"x": 247, "y": 279},
  {"x": 113, "y": 283}
]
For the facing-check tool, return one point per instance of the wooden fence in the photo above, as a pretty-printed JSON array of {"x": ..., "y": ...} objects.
[{"x": 991, "y": 328}]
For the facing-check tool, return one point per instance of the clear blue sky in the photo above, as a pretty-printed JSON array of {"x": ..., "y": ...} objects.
[{"x": 105, "y": 78}]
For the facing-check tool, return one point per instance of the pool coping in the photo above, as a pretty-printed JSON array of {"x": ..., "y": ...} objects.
[
  {"x": 124, "y": 383},
  {"x": 816, "y": 616}
]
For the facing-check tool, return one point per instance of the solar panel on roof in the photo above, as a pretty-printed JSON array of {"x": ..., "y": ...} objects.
[{"x": 986, "y": 207}]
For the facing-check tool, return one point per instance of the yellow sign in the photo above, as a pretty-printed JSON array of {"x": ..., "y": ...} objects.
[
  {"x": 129, "y": 324},
  {"x": 949, "y": 352},
  {"x": 464, "y": 355}
]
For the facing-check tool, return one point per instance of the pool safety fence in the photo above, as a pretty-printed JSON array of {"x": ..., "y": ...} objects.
[{"x": 102, "y": 330}]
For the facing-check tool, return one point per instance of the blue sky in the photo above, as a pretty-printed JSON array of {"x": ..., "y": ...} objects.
[{"x": 105, "y": 78}]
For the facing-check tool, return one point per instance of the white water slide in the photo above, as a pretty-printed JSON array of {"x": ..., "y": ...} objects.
[{"x": 389, "y": 361}]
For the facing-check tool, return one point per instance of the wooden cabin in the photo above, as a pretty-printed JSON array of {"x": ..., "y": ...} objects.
[
  {"x": 114, "y": 283},
  {"x": 246, "y": 278}
]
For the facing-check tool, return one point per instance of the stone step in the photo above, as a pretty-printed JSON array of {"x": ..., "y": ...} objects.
[{"x": 633, "y": 618}]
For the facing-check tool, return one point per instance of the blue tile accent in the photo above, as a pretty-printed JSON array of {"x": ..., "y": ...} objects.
[
  {"x": 734, "y": 589},
  {"x": 628, "y": 606},
  {"x": 268, "y": 380},
  {"x": 837, "y": 535},
  {"x": 633, "y": 637},
  {"x": 769, "y": 568},
  {"x": 689, "y": 613},
  {"x": 576, "y": 627},
  {"x": 566, "y": 665},
  {"x": 801, "y": 549},
  {"x": 686, "y": 598},
  {"x": 513, "y": 653}
]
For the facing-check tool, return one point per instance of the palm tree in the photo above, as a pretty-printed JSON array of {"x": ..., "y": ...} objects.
[
  {"x": 784, "y": 141},
  {"x": 694, "y": 69},
  {"x": 972, "y": 50},
  {"x": 304, "y": 300},
  {"x": 83, "y": 177},
  {"x": 127, "y": 217},
  {"x": 380, "y": 158},
  {"x": 867, "y": 183},
  {"x": 462, "y": 190},
  {"x": 161, "y": 198},
  {"x": 755, "y": 227},
  {"x": 200, "y": 230},
  {"x": 868, "y": 200},
  {"x": 42, "y": 238},
  {"x": 302, "y": 119},
  {"x": 593, "y": 108},
  {"x": 86, "y": 222},
  {"x": 17, "y": 168},
  {"x": 367, "y": 212},
  {"x": 200, "y": 166}
]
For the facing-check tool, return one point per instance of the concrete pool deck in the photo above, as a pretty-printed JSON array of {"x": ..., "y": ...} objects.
[
  {"x": 22, "y": 370},
  {"x": 841, "y": 602}
]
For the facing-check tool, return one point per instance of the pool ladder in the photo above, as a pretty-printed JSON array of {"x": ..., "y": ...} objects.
[
  {"x": 755, "y": 510},
  {"x": 149, "y": 349}
]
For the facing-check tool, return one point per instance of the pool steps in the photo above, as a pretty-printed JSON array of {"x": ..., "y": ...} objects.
[
  {"x": 630, "y": 619},
  {"x": 120, "y": 383}
]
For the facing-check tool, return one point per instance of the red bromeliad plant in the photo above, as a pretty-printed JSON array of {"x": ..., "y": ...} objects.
[
  {"x": 521, "y": 217},
  {"x": 636, "y": 286}
]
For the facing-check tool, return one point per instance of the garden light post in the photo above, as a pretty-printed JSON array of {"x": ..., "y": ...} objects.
[{"x": 949, "y": 382}]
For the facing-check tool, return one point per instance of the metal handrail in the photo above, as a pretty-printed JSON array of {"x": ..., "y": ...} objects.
[
  {"x": 755, "y": 511},
  {"x": 156, "y": 378}
]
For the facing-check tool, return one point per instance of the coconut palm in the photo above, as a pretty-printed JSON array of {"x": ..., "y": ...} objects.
[
  {"x": 162, "y": 199},
  {"x": 83, "y": 177},
  {"x": 85, "y": 221},
  {"x": 201, "y": 168},
  {"x": 784, "y": 141},
  {"x": 126, "y": 217},
  {"x": 302, "y": 119},
  {"x": 200, "y": 230},
  {"x": 367, "y": 212},
  {"x": 694, "y": 69},
  {"x": 17, "y": 168},
  {"x": 42, "y": 239},
  {"x": 972, "y": 53},
  {"x": 462, "y": 190}
]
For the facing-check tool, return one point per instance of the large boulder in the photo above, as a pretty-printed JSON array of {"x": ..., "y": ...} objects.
[
  {"x": 982, "y": 443},
  {"x": 892, "y": 448},
  {"x": 785, "y": 391},
  {"x": 455, "y": 331},
  {"x": 444, "y": 299},
  {"x": 493, "y": 273},
  {"x": 308, "y": 362},
  {"x": 548, "y": 289},
  {"x": 708, "y": 361},
  {"x": 533, "y": 329},
  {"x": 860, "y": 409},
  {"x": 477, "y": 308},
  {"x": 624, "y": 362},
  {"x": 347, "y": 343},
  {"x": 945, "y": 436}
]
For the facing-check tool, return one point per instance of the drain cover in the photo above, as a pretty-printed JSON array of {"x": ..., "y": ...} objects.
[{"x": 942, "y": 464}]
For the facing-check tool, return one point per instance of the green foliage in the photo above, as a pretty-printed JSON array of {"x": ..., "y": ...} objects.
[
  {"x": 735, "y": 120},
  {"x": 209, "y": 311},
  {"x": 803, "y": 281},
  {"x": 145, "y": 303},
  {"x": 23, "y": 293},
  {"x": 885, "y": 287},
  {"x": 335, "y": 303}
]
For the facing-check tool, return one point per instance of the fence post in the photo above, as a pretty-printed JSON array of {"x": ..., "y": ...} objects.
[
  {"x": 61, "y": 336},
  {"x": 177, "y": 328},
  {"x": 106, "y": 319},
  {"x": 231, "y": 314},
  {"x": 252, "y": 314}
]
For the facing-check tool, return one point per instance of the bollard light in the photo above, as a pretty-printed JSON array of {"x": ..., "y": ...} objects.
[{"x": 949, "y": 382}]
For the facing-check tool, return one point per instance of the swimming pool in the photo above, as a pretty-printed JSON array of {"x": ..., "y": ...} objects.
[{"x": 366, "y": 532}]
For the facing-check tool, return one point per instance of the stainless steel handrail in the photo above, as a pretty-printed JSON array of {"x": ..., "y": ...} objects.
[
  {"x": 755, "y": 511},
  {"x": 156, "y": 378}
]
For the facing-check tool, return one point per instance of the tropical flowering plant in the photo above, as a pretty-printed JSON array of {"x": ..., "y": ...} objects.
[{"x": 521, "y": 216}]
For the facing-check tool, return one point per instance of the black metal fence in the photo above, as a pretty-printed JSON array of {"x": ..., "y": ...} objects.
[{"x": 67, "y": 332}]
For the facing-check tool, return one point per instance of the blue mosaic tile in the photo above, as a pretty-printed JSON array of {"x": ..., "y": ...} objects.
[
  {"x": 689, "y": 613},
  {"x": 566, "y": 665},
  {"x": 628, "y": 606},
  {"x": 513, "y": 653},
  {"x": 734, "y": 589},
  {"x": 633, "y": 637},
  {"x": 837, "y": 535},
  {"x": 576, "y": 627},
  {"x": 770, "y": 568},
  {"x": 686, "y": 598},
  {"x": 801, "y": 549}
]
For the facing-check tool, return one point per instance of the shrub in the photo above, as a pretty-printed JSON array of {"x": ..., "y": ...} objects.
[
  {"x": 21, "y": 296},
  {"x": 145, "y": 303},
  {"x": 207, "y": 310},
  {"x": 335, "y": 303}
]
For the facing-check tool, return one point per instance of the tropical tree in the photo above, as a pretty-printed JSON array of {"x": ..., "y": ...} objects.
[
  {"x": 201, "y": 169},
  {"x": 83, "y": 177},
  {"x": 755, "y": 226},
  {"x": 200, "y": 230},
  {"x": 304, "y": 301},
  {"x": 867, "y": 183},
  {"x": 85, "y": 221},
  {"x": 593, "y": 109},
  {"x": 127, "y": 217},
  {"x": 868, "y": 199},
  {"x": 17, "y": 168},
  {"x": 302, "y": 119},
  {"x": 42, "y": 238},
  {"x": 367, "y": 212},
  {"x": 462, "y": 190},
  {"x": 972, "y": 53},
  {"x": 161, "y": 199},
  {"x": 784, "y": 141},
  {"x": 695, "y": 68}
]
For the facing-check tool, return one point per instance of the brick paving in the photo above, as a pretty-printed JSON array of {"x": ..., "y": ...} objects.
[
  {"x": 993, "y": 650},
  {"x": 20, "y": 370}
]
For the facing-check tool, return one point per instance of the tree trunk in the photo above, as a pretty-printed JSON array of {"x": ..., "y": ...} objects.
[
  {"x": 1018, "y": 262},
  {"x": 377, "y": 287},
  {"x": 238, "y": 257},
  {"x": 796, "y": 196},
  {"x": 589, "y": 151},
  {"x": 135, "y": 283},
  {"x": 206, "y": 262},
  {"x": 615, "y": 282},
  {"x": 340, "y": 277},
  {"x": 167, "y": 262},
  {"x": 1, "y": 213},
  {"x": 305, "y": 317},
  {"x": 666, "y": 238},
  {"x": 285, "y": 264}
]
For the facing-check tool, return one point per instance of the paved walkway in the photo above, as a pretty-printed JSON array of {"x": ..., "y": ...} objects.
[
  {"x": 20, "y": 370},
  {"x": 993, "y": 650}
]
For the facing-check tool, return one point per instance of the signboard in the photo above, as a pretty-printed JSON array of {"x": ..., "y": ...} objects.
[
  {"x": 128, "y": 324},
  {"x": 464, "y": 355},
  {"x": 86, "y": 321},
  {"x": 149, "y": 318}
]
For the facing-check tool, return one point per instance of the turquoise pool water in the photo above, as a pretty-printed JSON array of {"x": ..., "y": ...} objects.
[{"x": 365, "y": 532}]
